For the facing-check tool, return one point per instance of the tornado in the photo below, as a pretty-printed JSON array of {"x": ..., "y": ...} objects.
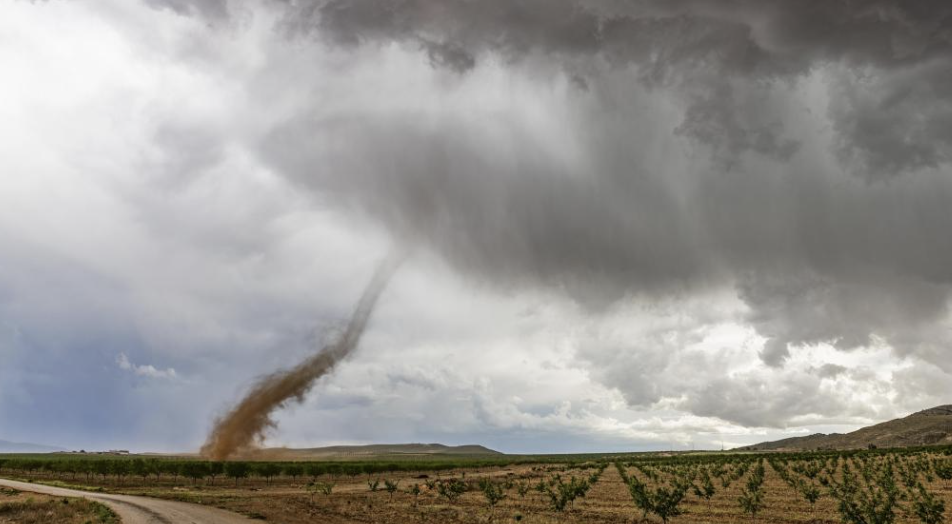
[{"x": 242, "y": 428}]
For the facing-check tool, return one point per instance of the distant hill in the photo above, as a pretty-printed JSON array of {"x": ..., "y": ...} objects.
[
  {"x": 22, "y": 447},
  {"x": 925, "y": 428},
  {"x": 374, "y": 450}
]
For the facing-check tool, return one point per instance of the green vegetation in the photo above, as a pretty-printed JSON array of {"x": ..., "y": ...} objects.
[
  {"x": 494, "y": 493},
  {"x": 391, "y": 487},
  {"x": 35, "y": 509},
  {"x": 324, "y": 488}
]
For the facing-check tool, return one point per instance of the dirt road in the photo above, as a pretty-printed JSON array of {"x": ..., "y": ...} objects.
[{"x": 141, "y": 510}]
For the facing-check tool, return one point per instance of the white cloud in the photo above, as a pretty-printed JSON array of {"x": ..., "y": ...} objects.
[{"x": 147, "y": 370}]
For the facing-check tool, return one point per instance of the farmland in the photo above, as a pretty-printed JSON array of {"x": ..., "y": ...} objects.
[{"x": 858, "y": 487}]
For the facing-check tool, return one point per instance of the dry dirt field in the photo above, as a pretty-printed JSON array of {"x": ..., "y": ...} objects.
[{"x": 608, "y": 500}]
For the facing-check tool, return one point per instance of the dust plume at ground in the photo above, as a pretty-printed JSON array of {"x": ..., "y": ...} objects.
[{"x": 243, "y": 427}]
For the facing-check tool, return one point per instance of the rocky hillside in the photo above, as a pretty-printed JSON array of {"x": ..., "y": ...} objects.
[{"x": 925, "y": 428}]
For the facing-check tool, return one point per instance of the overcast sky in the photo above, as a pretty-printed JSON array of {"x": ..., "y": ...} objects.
[{"x": 633, "y": 224}]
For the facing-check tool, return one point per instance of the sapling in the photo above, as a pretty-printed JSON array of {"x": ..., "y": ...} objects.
[
  {"x": 324, "y": 488},
  {"x": 929, "y": 508},
  {"x": 415, "y": 491},
  {"x": 943, "y": 470},
  {"x": 639, "y": 495},
  {"x": 751, "y": 502},
  {"x": 522, "y": 488},
  {"x": 451, "y": 489},
  {"x": 751, "y": 498},
  {"x": 391, "y": 486},
  {"x": 706, "y": 490},
  {"x": 666, "y": 502},
  {"x": 493, "y": 492},
  {"x": 811, "y": 493}
]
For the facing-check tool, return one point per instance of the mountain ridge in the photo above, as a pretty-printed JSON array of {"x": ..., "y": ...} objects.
[{"x": 929, "y": 427}]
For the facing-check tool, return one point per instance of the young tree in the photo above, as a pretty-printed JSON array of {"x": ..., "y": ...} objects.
[
  {"x": 640, "y": 496},
  {"x": 666, "y": 501},
  {"x": 268, "y": 470},
  {"x": 120, "y": 468},
  {"x": 415, "y": 491},
  {"x": 215, "y": 469},
  {"x": 706, "y": 490},
  {"x": 874, "y": 504},
  {"x": 451, "y": 489},
  {"x": 810, "y": 492},
  {"x": 522, "y": 488},
  {"x": 294, "y": 471},
  {"x": 237, "y": 470},
  {"x": 391, "y": 486},
  {"x": 140, "y": 468},
  {"x": 324, "y": 488},
  {"x": 493, "y": 492},
  {"x": 85, "y": 467},
  {"x": 751, "y": 501},
  {"x": 314, "y": 470},
  {"x": 943, "y": 470},
  {"x": 929, "y": 508},
  {"x": 194, "y": 470},
  {"x": 101, "y": 468}
]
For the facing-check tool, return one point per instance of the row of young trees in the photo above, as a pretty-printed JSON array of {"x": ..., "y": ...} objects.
[
  {"x": 560, "y": 485},
  {"x": 872, "y": 490},
  {"x": 118, "y": 467},
  {"x": 665, "y": 487},
  {"x": 198, "y": 470},
  {"x": 560, "y": 492},
  {"x": 867, "y": 488}
]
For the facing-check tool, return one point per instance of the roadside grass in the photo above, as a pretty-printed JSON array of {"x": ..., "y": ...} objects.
[
  {"x": 59, "y": 484},
  {"x": 23, "y": 508}
]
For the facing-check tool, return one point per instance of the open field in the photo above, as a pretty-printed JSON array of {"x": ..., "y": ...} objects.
[
  {"x": 29, "y": 508},
  {"x": 882, "y": 486}
]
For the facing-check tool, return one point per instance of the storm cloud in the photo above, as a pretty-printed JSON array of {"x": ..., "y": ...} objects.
[
  {"x": 729, "y": 215},
  {"x": 817, "y": 137}
]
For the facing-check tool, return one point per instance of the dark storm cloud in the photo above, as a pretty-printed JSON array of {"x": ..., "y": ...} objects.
[
  {"x": 892, "y": 108},
  {"x": 842, "y": 252},
  {"x": 209, "y": 9},
  {"x": 892, "y": 114},
  {"x": 817, "y": 255},
  {"x": 820, "y": 252},
  {"x": 498, "y": 217}
]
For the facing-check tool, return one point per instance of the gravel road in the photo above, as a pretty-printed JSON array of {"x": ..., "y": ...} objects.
[{"x": 141, "y": 510}]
